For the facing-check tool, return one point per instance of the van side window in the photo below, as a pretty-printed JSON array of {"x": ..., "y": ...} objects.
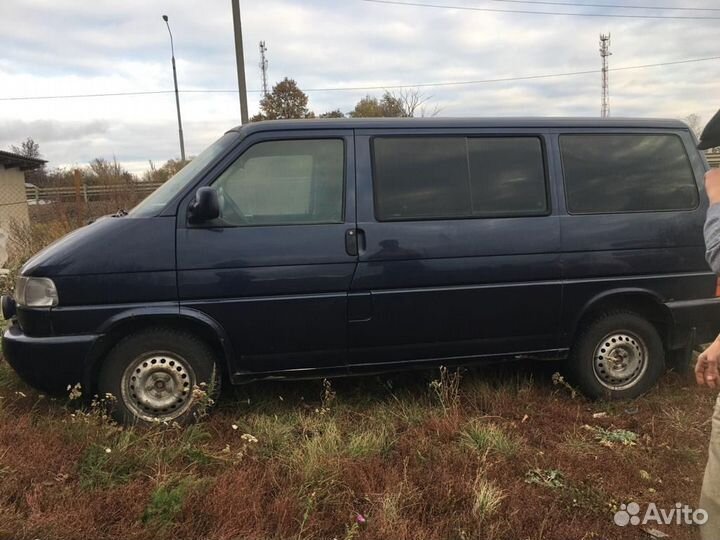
[
  {"x": 507, "y": 176},
  {"x": 458, "y": 177},
  {"x": 609, "y": 173},
  {"x": 284, "y": 183}
]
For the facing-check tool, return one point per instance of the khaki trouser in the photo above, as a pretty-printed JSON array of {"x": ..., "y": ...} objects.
[{"x": 710, "y": 496}]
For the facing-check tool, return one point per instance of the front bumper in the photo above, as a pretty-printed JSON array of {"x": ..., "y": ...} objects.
[
  {"x": 698, "y": 317},
  {"x": 49, "y": 364}
]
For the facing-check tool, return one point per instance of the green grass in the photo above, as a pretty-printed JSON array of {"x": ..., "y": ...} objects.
[
  {"x": 486, "y": 437},
  {"x": 374, "y": 440},
  {"x": 167, "y": 500}
]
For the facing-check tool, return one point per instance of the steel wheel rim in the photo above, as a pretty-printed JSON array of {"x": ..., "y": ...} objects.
[
  {"x": 620, "y": 360},
  {"x": 158, "y": 386}
]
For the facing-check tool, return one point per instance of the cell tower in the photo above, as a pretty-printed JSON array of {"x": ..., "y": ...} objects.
[
  {"x": 604, "y": 53},
  {"x": 264, "y": 67}
]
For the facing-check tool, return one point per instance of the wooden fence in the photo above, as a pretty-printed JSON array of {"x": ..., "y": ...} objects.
[{"x": 87, "y": 193}]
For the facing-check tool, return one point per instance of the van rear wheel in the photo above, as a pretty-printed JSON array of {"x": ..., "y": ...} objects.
[
  {"x": 155, "y": 376},
  {"x": 617, "y": 355}
]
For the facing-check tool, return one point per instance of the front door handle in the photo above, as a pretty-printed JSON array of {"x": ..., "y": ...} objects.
[{"x": 351, "y": 242}]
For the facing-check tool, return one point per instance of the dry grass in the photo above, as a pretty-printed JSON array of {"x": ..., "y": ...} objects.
[{"x": 505, "y": 454}]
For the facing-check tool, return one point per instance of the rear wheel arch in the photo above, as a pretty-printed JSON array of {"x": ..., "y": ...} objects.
[
  {"x": 643, "y": 302},
  {"x": 189, "y": 321}
]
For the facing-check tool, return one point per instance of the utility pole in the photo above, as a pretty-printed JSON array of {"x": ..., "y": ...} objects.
[
  {"x": 604, "y": 53},
  {"x": 263, "y": 67},
  {"x": 177, "y": 95},
  {"x": 240, "y": 61}
]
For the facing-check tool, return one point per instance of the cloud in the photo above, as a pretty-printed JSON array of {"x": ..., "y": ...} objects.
[
  {"x": 51, "y": 130},
  {"x": 66, "y": 47}
]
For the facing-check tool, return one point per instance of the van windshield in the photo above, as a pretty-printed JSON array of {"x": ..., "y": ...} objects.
[{"x": 158, "y": 199}]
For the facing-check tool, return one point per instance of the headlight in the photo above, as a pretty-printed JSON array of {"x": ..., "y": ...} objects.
[{"x": 35, "y": 292}]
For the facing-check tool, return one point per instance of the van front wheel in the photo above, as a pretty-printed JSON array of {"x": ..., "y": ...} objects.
[
  {"x": 617, "y": 355},
  {"x": 159, "y": 375}
]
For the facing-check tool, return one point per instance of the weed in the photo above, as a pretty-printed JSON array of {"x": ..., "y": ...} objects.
[
  {"x": 588, "y": 497},
  {"x": 611, "y": 437},
  {"x": 310, "y": 504},
  {"x": 167, "y": 500},
  {"x": 486, "y": 498},
  {"x": 488, "y": 438},
  {"x": 74, "y": 392},
  {"x": 277, "y": 432},
  {"x": 446, "y": 389},
  {"x": 104, "y": 466},
  {"x": 327, "y": 397},
  {"x": 202, "y": 399},
  {"x": 550, "y": 478},
  {"x": 559, "y": 380},
  {"x": 369, "y": 443},
  {"x": 313, "y": 453},
  {"x": 352, "y": 531}
]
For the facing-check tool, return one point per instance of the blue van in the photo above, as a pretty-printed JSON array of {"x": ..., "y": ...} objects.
[{"x": 336, "y": 247}]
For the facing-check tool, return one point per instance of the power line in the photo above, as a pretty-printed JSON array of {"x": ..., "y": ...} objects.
[
  {"x": 374, "y": 87},
  {"x": 611, "y": 6},
  {"x": 528, "y": 12}
]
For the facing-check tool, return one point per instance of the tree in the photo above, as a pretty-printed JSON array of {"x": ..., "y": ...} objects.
[
  {"x": 337, "y": 113},
  {"x": 103, "y": 171},
  {"x": 403, "y": 104},
  {"x": 165, "y": 171},
  {"x": 388, "y": 106},
  {"x": 285, "y": 101},
  {"x": 413, "y": 103},
  {"x": 28, "y": 148}
]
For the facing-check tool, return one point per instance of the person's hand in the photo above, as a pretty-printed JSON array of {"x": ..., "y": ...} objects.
[
  {"x": 706, "y": 369},
  {"x": 712, "y": 185}
]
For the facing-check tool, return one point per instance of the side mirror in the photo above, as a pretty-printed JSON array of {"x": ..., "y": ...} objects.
[{"x": 205, "y": 207}]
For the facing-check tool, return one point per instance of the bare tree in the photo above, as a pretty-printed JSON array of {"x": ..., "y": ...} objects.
[
  {"x": 28, "y": 148},
  {"x": 434, "y": 111},
  {"x": 411, "y": 100}
]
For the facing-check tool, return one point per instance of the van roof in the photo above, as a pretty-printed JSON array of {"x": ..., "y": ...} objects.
[{"x": 500, "y": 122}]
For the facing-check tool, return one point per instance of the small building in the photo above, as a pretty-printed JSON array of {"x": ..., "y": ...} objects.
[{"x": 13, "y": 201}]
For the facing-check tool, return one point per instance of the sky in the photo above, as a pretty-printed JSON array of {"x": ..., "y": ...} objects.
[{"x": 69, "y": 47}]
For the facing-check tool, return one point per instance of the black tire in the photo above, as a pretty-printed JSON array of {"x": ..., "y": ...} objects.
[
  {"x": 617, "y": 355},
  {"x": 176, "y": 360}
]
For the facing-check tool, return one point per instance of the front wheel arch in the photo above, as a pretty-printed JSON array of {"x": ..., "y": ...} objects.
[
  {"x": 190, "y": 321},
  {"x": 159, "y": 374}
]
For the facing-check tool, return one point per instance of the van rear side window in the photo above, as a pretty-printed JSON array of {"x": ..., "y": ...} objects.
[
  {"x": 458, "y": 177},
  {"x": 613, "y": 173}
]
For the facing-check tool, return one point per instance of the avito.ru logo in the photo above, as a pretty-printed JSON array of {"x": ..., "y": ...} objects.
[{"x": 681, "y": 514}]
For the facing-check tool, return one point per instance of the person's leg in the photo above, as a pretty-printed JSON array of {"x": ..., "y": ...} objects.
[{"x": 710, "y": 495}]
